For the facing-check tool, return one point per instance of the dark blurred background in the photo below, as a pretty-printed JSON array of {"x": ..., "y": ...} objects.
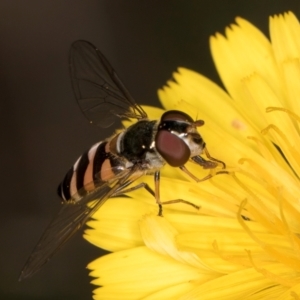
[{"x": 42, "y": 129}]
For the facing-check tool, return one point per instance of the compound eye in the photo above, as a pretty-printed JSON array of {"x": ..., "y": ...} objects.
[
  {"x": 176, "y": 115},
  {"x": 173, "y": 149}
]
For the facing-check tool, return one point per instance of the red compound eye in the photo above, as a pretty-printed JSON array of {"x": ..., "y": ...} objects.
[{"x": 173, "y": 149}]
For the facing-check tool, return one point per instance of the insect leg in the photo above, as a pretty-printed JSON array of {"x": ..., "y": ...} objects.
[
  {"x": 136, "y": 187},
  {"x": 155, "y": 193},
  {"x": 206, "y": 164},
  {"x": 157, "y": 196},
  {"x": 186, "y": 171},
  {"x": 214, "y": 159}
]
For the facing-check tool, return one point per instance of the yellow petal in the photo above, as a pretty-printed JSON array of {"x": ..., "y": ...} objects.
[
  {"x": 159, "y": 236},
  {"x": 245, "y": 51},
  {"x": 209, "y": 102},
  {"x": 173, "y": 292},
  {"x": 238, "y": 285},
  {"x": 115, "y": 225},
  {"x": 285, "y": 36},
  {"x": 154, "y": 272}
]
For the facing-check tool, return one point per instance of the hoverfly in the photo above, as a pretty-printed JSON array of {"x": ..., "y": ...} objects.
[{"x": 109, "y": 167}]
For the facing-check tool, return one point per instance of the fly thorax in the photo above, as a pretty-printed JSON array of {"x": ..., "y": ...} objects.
[{"x": 136, "y": 142}]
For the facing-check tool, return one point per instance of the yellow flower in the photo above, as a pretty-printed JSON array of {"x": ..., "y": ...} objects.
[{"x": 244, "y": 241}]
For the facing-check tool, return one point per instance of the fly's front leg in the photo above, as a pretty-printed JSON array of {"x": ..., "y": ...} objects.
[
  {"x": 212, "y": 163},
  {"x": 186, "y": 171},
  {"x": 214, "y": 159}
]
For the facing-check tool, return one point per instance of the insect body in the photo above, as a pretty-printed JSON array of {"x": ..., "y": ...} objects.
[{"x": 109, "y": 167}]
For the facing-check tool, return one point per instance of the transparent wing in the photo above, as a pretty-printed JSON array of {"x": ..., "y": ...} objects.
[
  {"x": 71, "y": 217},
  {"x": 100, "y": 93}
]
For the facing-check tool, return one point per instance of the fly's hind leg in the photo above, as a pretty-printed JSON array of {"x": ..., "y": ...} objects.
[
  {"x": 176, "y": 201},
  {"x": 155, "y": 194}
]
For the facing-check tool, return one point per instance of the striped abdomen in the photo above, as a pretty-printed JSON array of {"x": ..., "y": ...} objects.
[{"x": 94, "y": 165}]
